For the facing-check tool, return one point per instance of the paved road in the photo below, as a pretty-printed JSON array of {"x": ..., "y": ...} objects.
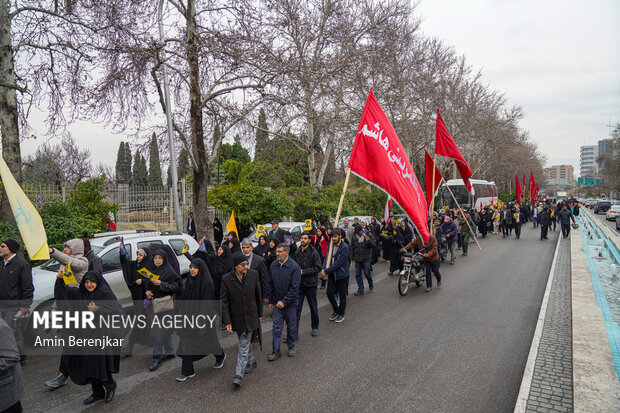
[
  {"x": 601, "y": 218},
  {"x": 462, "y": 347}
]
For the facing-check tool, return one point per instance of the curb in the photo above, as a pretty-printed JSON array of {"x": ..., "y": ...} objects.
[{"x": 528, "y": 374}]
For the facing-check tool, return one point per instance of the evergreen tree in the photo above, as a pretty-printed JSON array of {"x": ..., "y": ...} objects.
[
  {"x": 140, "y": 174},
  {"x": 154, "y": 165},
  {"x": 262, "y": 137},
  {"x": 120, "y": 170},
  {"x": 169, "y": 177},
  {"x": 127, "y": 163},
  {"x": 183, "y": 166}
]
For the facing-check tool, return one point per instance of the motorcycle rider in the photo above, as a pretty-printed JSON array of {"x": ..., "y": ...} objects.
[{"x": 431, "y": 258}]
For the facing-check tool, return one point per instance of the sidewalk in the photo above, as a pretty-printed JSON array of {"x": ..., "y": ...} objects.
[{"x": 570, "y": 366}]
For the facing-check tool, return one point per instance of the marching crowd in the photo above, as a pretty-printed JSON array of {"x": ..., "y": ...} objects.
[{"x": 277, "y": 274}]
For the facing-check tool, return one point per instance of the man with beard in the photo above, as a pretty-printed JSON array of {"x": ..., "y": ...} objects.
[
  {"x": 309, "y": 262},
  {"x": 242, "y": 311},
  {"x": 257, "y": 264}
]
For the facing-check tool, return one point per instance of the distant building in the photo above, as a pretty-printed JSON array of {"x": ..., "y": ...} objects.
[
  {"x": 560, "y": 175},
  {"x": 605, "y": 146},
  {"x": 588, "y": 165}
]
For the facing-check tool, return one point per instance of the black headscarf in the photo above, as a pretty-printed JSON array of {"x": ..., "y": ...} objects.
[
  {"x": 262, "y": 249},
  {"x": 102, "y": 295},
  {"x": 201, "y": 286},
  {"x": 236, "y": 245},
  {"x": 165, "y": 272},
  {"x": 224, "y": 262}
]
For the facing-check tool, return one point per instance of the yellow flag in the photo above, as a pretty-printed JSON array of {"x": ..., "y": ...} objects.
[
  {"x": 261, "y": 230},
  {"x": 67, "y": 275},
  {"x": 147, "y": 274},
  {"x": 28, "y": 219},
  {"x": 231, "y": 226}
]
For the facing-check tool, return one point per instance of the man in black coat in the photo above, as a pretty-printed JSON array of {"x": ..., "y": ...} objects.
[
  {"x": 544, "y": 221},
  {"x": 257, "y": 263},
  {"x": 276, "y": 232},
  {"x": 191, "y": 226},
  {"x": 505, "y": 218},
  {"x": 16, "y": 290},
  {"x": 363, "y": 245},
  {"x": 309, "y": 261},
  {"x": 565, "y": 216},
  {"x": 242, "y": 311}
]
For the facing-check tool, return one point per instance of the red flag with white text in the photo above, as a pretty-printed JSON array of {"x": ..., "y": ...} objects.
[
  {"x": 428, "y": 170},
  {"x": 518, "y": 188},
  {"x": 379, "y": 157},
  {"x": 445, "y": 146}
]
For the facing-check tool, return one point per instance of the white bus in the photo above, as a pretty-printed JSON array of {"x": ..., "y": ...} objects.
[{"x": 482, "y": 191}]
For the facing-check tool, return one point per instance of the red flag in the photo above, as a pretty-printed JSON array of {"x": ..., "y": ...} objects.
[
  {"x": 492, "y": 198},
  {"x": 112, "y": 223},
  {"x": 428, "y": 169},
  {"x": 380, "y": 158},
  {"x": 386, "y": 214},
  {"x": 523, "y": 193},
  {"x": 445, "y": 146},
  {"x": 518, "y": 188}
]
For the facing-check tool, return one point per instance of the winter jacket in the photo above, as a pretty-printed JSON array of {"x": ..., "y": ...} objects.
[
  {"x": 362, "y": 250},
  {"x": 11, "y": 380},
  {"x": 16, "y": 282},
  {"x": 309, "y": 263},
  {"x": 285, "y": 280},
  {"x": 429, "y": 251},
  {"x": 79, "y": 263},
  {"x": 340, "y": 262},
  {"x": 564, "y": 216},
  {"x": 449, "y": 228},
  {"x": 242, "y": 304}
]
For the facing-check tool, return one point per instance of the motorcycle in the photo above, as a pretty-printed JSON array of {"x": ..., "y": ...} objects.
[
  {"x": 412, "y": 272},
  {"x": 443, "y": 248}
]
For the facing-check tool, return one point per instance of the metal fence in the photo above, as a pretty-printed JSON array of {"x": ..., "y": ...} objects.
[{"x": 138, "y": 208}]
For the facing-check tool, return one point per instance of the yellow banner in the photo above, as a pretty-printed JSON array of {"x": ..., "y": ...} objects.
[
  {"x": 231, "y": 226},
  {"x": 308, "y": 225},
  {"x": 147, "y": 274},
  {"x": 28, "y": 219},
  {"x": 67, "y": 275}
]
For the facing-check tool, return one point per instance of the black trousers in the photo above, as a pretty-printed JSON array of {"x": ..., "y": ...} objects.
[
  {"x": 434, "y": 267},
  {"x": 187, "y": 364},
  {"x": 337, "y": 287},
  {"x": 16, "y": 408},
  {"x": 565, "y": 229},
  {"x": 543, "y": 231},
  {"x": 517, "y": 229},
  {"x": 505, "y": 228}
]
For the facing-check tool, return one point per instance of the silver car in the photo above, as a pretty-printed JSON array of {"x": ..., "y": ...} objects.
[{"x": 105, "y": 245}]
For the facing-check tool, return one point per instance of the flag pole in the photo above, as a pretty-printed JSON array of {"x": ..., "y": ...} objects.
[
  {"x": 344, "y": 191},
  {"x": 431, "y": 226},
  {"x": 462, "y": 214}
]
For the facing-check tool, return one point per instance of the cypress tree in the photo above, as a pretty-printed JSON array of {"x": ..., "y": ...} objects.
[
  {"x": 120, "y": 158},
  {"x": 262, "y": 137},
  {"x": 140, "y": 174},
  {"x": 127, "y": 163},
  {"x": 154, "y": 178}
]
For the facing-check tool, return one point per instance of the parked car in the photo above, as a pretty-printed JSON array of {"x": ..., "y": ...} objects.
[
  {"x": 602, "y": 206},
  {"x": 105, "y": 245},
  {"x": 365, "y": 218},
  {"x": 613, "y": 212},
  {"x": 295, "y": 228}
]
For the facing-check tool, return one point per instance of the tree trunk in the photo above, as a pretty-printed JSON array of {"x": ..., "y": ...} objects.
[
  {"x": 9, "y": 126},
  {"x": 199, "y": 202}
]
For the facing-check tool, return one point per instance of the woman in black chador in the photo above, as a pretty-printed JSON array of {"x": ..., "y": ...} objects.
[
  {"x": 193, "y": 300},
  {"x": 94, "y": 294}
]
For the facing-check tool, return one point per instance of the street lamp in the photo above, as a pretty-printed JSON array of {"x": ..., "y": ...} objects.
[{"x": 173, "y": 161}]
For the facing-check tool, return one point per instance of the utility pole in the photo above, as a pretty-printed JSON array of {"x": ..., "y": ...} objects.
[{"x": 173, "y": 157}]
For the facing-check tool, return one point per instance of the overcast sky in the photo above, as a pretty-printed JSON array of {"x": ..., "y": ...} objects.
[{"x": 558, "y": 60}]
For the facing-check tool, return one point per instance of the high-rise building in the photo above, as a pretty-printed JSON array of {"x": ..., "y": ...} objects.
[
  {"x": 560, "y": 175},
  {"x": 588, "y": 165},
  {"x": 604, "y": 146}
]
